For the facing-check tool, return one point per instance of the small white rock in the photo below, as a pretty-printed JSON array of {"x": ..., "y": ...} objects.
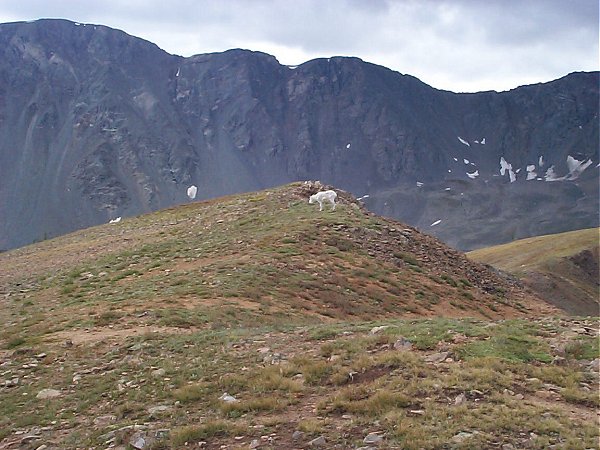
[
  {"x": 228, "y": 398},
  {"x": 376, "y": 330},
  {"x": 48, "y": 393},
  {"x": 159, "y": 372}
]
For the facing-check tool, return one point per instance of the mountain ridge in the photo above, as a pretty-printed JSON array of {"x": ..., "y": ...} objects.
[
  {"x": 228, "y": 321},
  {"x": 96, "y": 124},
  {"x": 560, "y": 268},
  {"x": 233, "y": 253}
]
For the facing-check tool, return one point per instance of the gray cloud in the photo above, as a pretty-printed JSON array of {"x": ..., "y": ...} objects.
[{"x": 460, "y": 45}]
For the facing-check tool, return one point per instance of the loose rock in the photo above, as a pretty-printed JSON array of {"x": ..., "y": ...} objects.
[
  {"x": 158, "y": 409},
  {"x": 460, "y": 399},
  {"x": 318, "y": 442},
  {"x": 140, "y": 441},
  {"x": 48, "y": 393},
  {"x": 103, "y": 421},
  {"x": 376, "y": 330},
  {"x": 228, "y": 398},
  {"x": 372, "y": 438},
  {"x": 297, "y": 435},
  {"x": 436, "y": 357},
  {"x": 461, "y": 437},
  {"x": 403, "y": 344},
  {"x": 159, "y": 372}
]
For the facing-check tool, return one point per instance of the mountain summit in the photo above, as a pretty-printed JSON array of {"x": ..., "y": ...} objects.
[{"x": 96, "y": 124}]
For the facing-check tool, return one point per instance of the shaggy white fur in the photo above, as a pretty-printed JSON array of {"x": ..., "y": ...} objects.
[{"x": 323, "y": 196}]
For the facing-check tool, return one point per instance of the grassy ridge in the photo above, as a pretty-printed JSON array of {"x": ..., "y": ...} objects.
[
  {"x": 560, "y": 268},
  {"x": 537, "y": 252},
  {"x": 140, "y": 327},
  {"x": 252, "y": 259}
]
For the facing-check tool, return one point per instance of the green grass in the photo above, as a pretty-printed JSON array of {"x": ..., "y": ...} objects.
[
  {"x": 513, "y": 341},
  {"x": 347, "y": 371},
  {"x": 196, "y": 433},
  {"x": 261, "y": 296},
  {"x": 534, "y": 253}
]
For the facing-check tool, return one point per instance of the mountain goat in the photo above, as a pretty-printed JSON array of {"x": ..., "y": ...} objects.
[{"x": 323, "y": 196}]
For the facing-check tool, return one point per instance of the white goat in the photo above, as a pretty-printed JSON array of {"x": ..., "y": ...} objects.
[{"x": 322, "y": 197}]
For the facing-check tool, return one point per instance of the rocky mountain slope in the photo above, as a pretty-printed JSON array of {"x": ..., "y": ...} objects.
[
  {"x": 96, "y": 124},
  {"x": 257, "y": 321},
  {"x": 211, "y": 261},
  {"x": 560, "y": 268}
]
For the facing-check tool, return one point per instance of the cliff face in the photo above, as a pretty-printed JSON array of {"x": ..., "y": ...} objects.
[{"x": 96, "y": 124}]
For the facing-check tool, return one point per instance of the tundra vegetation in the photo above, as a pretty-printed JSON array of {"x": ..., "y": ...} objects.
[{"x": 322, "y": 327}]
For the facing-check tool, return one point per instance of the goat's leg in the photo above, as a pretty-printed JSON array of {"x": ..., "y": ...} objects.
[{"x": 320, "y": 205}]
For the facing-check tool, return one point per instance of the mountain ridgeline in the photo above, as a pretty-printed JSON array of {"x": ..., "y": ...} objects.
[{"x": 96, "y": 124}]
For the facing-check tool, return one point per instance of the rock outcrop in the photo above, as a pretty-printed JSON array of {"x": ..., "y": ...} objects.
[{"x": 96, "y": 124}]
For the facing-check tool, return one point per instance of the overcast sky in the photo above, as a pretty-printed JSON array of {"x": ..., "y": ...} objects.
[{"x": 459, "y": 45}]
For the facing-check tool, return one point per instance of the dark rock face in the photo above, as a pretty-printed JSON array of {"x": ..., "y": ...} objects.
[{"x": 96, "y": 124}]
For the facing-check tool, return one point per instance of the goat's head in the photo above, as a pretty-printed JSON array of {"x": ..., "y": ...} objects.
[{"x": 312, "y": 199}]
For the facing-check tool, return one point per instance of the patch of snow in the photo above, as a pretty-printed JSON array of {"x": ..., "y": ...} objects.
[
  {"x": 576, "y": 167},
  {"x": 530, "y": 168},
  {"x": 518, "y": 170},
  {"x": 541, "y": 161},
  {"x": 192, "y": 191},
  {"x": 462, "y": 141},
  {"x": 455, "y": 159},
  {"x": 473, "y": 164},
  {"x": 419, "y": 184},
  {"x": 449, "y": 171},
  {"x": 447, "y": 189},
  {"x": 466, "y": 161},
  {"x": 473, "y": 175},
  {"x": 77, "y": 24},
  {"x": 483, "y": 141},
  {"x": 348, "y": 145},
  {"x": 504, "y": 166},
  {"x": 178, "y": 71},
  {"x": 363, "y": 197},
  {"x": 117, "y": 220},
  {"x": 531, "y": 175},
  {"x": 476, "y": 142},
  {"x": 435, "y": 223},
  {"x": 292, "y": 67}
]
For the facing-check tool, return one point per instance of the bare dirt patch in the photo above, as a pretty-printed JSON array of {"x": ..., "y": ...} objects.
[{"x": 95, "y": 335}]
